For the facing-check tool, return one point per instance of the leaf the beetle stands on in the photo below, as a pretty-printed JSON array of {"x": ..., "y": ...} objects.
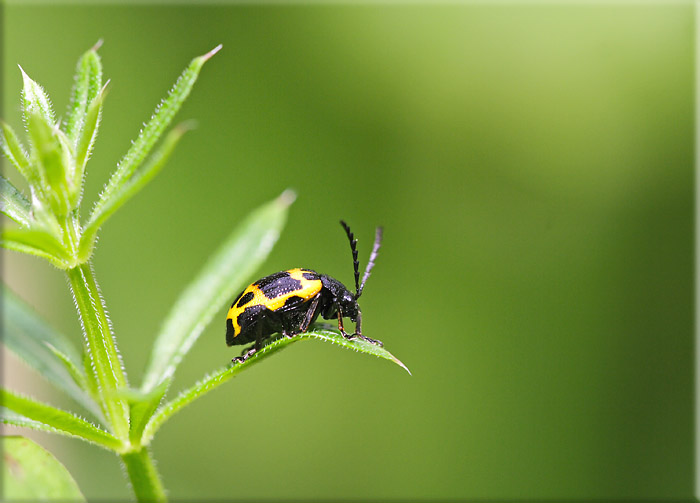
[{"x": 321, "y": 332}]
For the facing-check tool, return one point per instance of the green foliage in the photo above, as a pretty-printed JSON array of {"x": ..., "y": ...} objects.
[
  {"x": 88, "y": 83},
  {"x": 54, "y": 169},
  {"x": 30, "y": 473},
  {"x": 55, "y": 163},
  {"x": 141, "y": 147},
  {"x": 13, "y": 203},
  {"x": 106, "y": 367},
  {"x": 35, "y": 100},
  {"x": 44, "y": 349},
  {"x": 60, "y": 420},
  {"x": 16, "y": 154},
  {"x": 128, "y": 190},
  {"x": 219, "y": 280},
  {"x": 142, "y": 408},
  {"x": 35, "y": 242},
  {"x": 217, "y": 378}
]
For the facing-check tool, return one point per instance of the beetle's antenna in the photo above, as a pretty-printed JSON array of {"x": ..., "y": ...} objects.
[
  {"x": 355, "y": 262},
  {"x": 372, "y": 257}
]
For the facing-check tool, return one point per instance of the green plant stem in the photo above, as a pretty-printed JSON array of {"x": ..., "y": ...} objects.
[
  {"x": 106, "y": 366},
  {"x": 143, "y": 475}
]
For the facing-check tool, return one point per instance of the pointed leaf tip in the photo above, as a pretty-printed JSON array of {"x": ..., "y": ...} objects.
[
  {"x": 97, "y": 45},
  {"x": 287, "y": 197},
  {"x": 35, "y": 99},
  {"x": 400, "y": 364},
  {"x": 208, "y": 55}
]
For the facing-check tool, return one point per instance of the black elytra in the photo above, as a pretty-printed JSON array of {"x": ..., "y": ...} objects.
[{"x": 288, "y": 302}]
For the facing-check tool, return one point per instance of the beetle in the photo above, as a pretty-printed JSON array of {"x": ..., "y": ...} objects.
[{"x": 288, "y": 302}]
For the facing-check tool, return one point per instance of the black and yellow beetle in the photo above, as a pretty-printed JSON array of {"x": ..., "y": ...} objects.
[{"x": 287, "y": 302}]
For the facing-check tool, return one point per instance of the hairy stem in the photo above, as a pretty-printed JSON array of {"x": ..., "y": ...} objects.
[
  {"x": 143, "y": 476},
  {"x": 107, "y": 371}
]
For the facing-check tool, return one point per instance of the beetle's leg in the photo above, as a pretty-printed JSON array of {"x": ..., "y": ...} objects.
[
  {"x": 340, "y": 326},
  {"x": 358, "y": 332},
  {"x": 310, "y": 314},
  {"x": 258, "y": 337},
  {"x": 244, "y": 356},
  {"x": 254, "y": 349},
  {"x": 287, "y": 330},
  {"x": 373, "y": 341}
]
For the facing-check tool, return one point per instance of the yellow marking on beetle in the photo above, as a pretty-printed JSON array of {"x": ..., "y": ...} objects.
[{"x": 309, "y": 288}]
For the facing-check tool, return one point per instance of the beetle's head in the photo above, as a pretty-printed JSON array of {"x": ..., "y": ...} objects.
[{"x": 349, "y": 306}]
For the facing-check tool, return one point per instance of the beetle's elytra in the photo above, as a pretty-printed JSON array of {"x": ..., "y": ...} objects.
[{"x": 288, "y": 302}]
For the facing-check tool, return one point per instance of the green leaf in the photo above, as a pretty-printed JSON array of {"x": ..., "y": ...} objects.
[
  {"x": 13, "y": 203},
  {"x": 142, "y": 406},
  {"x": 36, "y": 101},
  {"x": 86, "y": 140},
  {"x": 13, "y": 419},
  {"x": 127, "y": 191},
  {"x": 65, "y": 422},
  {"x": 223, "y": 276},
  {"x": 43, "y": 216},
  {"x": 92, "y": 385},
  {"x": 88, "y": 81},
  {"x": 16, "y": 154},
  {"x": 35, "y": 242},
  {"x": 75, "y": 373},
  {"x": 148, "y": 136},
  {"x": 44, "y": 349},
  {"x": 323, "y": 332},
  {"x": 216, "y": 379},
  {"x": 105, "y": 364},
  {"x": 51, "y": 154},
  {"x": 31, "y": 473}
]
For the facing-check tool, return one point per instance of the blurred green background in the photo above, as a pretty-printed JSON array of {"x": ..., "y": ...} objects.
[{"x": 533, "y": 167}]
